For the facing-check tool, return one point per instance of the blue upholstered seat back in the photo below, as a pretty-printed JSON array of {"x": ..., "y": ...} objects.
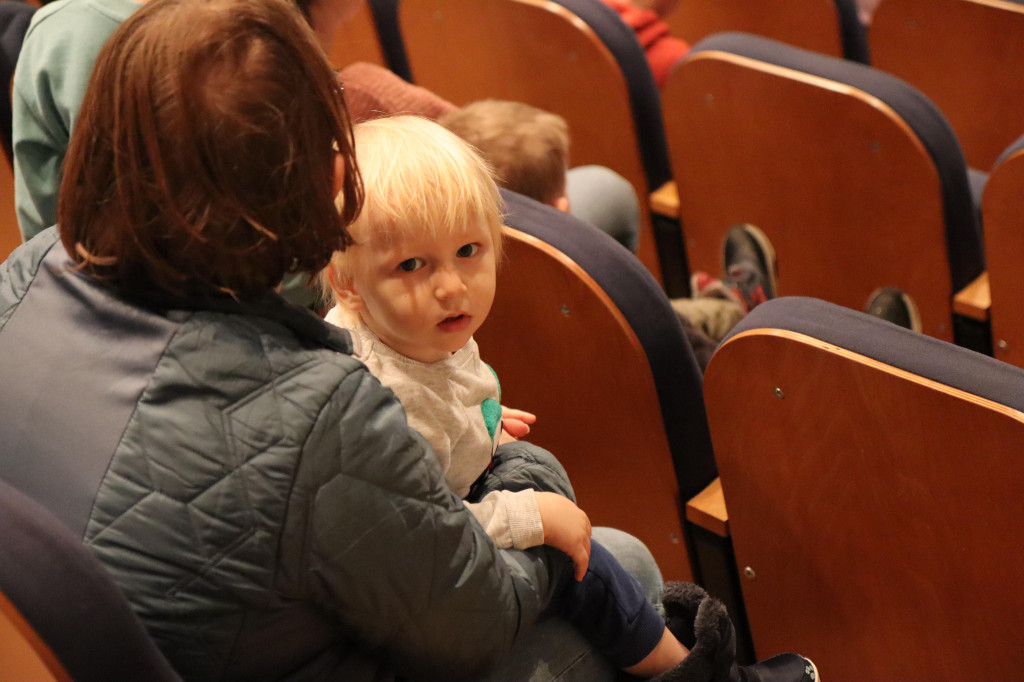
[
  {"x": 14, "y": 20},
  {"x": 1014, "y": 147},
  {"x": 385, "y": 16},
  {"x": 918, "y": 354},
  {"x": 69, "y": 599},
  {"x": 643, "y": 93},
  {"x": 855, "y": 38}
]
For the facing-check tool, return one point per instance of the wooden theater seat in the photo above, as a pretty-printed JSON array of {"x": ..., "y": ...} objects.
[
  {"x": 967, "y": 57},
  {"x": 582, "y": 335},
  {"x": 872, "y": 477},
  {"x": 541, "y": 53},
  {"x": 1002, "y": 207},
  {"x": 10, "y": 235},
  {"x": 854, "y": 176},
  {"x": 62, "y": 616},
  {"x": 827, "y": 26}
]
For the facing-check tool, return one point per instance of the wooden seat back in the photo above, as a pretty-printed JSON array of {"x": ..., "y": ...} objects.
[
  {"x": 537, "y": 52},
  {"x": 1002, "y": 207},
  {"x": 10, "y": 235},
  {"x": 356, "y": 40},
  {"x": 852, "y": 195},
  {"x": 817, "y": 25},
  {"x": 966, "y": 56},
  {"x": 612, "y": 404},
  {"x": 25, "y": 655},
  {"x": 873, "y": 507}
]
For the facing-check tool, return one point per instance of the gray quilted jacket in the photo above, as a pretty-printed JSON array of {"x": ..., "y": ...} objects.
[{"x": 253, "y": 489}]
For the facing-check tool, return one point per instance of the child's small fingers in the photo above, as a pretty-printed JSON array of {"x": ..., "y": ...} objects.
[{"x": 581, "y": 561}]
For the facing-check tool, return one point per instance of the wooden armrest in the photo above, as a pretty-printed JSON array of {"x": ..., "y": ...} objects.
[
  {"x": 707, "y": 509},
  {"x": 665, "y": 200},
  {"x": 974, "y": 300}
]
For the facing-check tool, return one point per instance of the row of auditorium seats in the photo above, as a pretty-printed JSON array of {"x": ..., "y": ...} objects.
[
  {"x": 869, "y": 485},
  {"x": 871, "y": 491},
  {"x": 868, "y": 472},
  {"x": 825, "y": 582},
  {"x": 853, "y": 173}
]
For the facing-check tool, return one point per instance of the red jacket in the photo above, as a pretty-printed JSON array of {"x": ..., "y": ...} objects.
[{"x": 662, "y": 49}]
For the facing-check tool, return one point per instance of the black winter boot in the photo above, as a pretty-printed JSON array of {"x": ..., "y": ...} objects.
[
  {"x": 701, "y": 624},
  {"x": 681, "y": 601}
]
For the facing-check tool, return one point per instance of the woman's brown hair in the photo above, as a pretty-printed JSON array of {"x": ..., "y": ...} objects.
[{"x": 203, "y": 158}]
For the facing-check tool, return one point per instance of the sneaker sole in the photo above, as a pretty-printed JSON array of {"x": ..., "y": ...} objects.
[
  {"x": 814, "y": 669},
  {"x": 771, "y": 267},
  {"x": 912, "y": 311}
]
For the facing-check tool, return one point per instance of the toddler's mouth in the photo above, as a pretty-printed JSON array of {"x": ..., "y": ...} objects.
[{"x": 454, "y": 323}]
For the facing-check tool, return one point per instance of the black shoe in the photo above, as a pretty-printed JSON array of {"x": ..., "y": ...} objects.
[
  {"x": 788, "y": 667},
  {"x": 749, "y": 264},
  {"x": 701, "y": 624},
  {"x": 893, "y": 305}
]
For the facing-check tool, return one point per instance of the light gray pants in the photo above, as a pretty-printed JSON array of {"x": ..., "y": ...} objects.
[{"x": 555, "y": 652}]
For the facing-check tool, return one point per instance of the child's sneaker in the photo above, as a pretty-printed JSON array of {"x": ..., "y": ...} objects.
[
  {"x": 749, "y": 266},
  {"x": 701, "y": 624},
  {"x": 894, "y": 305}
]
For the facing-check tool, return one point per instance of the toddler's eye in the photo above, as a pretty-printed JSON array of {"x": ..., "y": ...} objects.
[
  {"x": 467, "y": 250},
  {"x": 410, "y": 264}
]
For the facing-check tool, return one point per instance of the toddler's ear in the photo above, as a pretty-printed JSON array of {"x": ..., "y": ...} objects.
[{"x": 345, "y": 290}]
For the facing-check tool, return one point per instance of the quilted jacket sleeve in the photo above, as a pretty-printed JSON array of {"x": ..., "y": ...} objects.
[{"x": 392, "y": 551}]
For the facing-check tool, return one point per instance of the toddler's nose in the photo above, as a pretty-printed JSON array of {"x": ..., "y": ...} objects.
[{"x": 448, "y": 283}]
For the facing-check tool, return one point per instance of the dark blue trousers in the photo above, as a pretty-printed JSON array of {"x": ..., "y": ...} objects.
[{"x": 610, "y": 609}]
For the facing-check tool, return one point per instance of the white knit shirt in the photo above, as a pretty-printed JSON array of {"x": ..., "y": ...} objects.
[{"x": 447, "y": 401}]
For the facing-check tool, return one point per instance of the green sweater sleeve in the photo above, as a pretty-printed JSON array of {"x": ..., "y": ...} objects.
[{"x": 53, "y": 71}]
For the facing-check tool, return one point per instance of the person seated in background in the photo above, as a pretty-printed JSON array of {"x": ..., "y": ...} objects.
[
  {"x": 217, "y": 448},
  {"x": 53, "y": 70},
  {"x": 58, "y": 58},
  {"x": 661, "y": 48},
  {"x": 866, "y": 11},
  {"x": 413, "y": 289},
  {"x": 529, "y": 151}
]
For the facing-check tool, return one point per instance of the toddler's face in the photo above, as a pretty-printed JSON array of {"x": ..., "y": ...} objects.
[{"x": 424, "y": 296}]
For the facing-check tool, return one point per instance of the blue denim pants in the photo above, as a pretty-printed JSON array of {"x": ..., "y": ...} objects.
[{"x": 557, "y": 650}]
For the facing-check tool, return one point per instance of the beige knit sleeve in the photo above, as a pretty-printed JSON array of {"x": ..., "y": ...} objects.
[{"x": 511, "y": 519}]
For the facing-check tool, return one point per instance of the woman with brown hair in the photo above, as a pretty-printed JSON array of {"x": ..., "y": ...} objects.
[{"x": 251, "y": 487}]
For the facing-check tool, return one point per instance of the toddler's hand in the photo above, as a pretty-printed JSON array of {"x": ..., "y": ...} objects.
[
  {"x": 516, "y": 422},
  {"x": 566, "y": 527}
]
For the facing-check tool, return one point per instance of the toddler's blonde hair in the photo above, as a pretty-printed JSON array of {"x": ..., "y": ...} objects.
[{"x": 418, "y": 177}]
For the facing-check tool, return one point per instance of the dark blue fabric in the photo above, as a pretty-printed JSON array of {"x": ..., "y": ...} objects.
[
  {"x": 918, "y": 354},
  {"x": 854, "y": 35},
  {"x": 14, "y": 20},
  {"x": 609, "y": 608},
  {"x": 385, "y": 17},
  {"x": 647, "y": 310},
  {"x": 1014, "y": 147},
  {"x": 69, "y": 599},
  {"x": 964, "y": 244},
  {"x": 622, "y": 42}
]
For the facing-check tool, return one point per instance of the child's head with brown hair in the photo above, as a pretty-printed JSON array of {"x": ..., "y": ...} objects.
[
  {"x": 527, "y": 147},
  {"x": 211, "y": 143},
  {"x": 421, "y": 273}
]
